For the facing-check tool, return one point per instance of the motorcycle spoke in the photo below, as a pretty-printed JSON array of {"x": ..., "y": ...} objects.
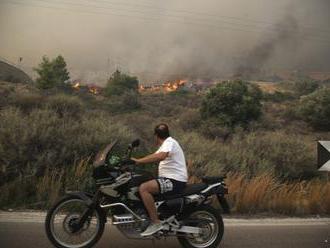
[{"x": 64, "y": 221}]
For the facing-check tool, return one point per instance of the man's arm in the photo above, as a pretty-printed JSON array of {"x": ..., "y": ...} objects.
[{"x": 152, "y": 158}]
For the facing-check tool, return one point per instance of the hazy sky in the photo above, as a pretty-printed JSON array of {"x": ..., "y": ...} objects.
[{"x": 167, "y": 39}]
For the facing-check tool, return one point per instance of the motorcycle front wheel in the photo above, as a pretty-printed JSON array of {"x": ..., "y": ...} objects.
[
  {"x": 61, "y": 224},
  {"x": 211, "y": 224}
]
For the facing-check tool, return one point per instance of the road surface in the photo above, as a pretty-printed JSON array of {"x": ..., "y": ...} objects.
[{"x": 25, "y": 230}]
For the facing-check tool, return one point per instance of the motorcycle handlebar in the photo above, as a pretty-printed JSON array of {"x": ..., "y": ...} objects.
[
  {"x": 127, "y": 165},
  {"x": 128, "y": 161}
]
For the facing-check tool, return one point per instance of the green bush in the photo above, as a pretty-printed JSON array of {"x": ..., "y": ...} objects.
[
  {"x": 287, "y": 155},
  {"x": 42, "y": 139},
  {"x": 232, "y": 103},
  {"x": 119, "y": 83},
  {"x": 278, "y": 96},
  {"x": 52, "y": 73},
  {"x": 305, "y": 86},
  {"x": 315, "y": 109}
]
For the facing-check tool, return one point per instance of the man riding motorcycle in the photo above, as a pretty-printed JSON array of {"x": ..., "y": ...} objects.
[
  {"x": 77, "y": 220},
  {"x": 172, "y": 174}
]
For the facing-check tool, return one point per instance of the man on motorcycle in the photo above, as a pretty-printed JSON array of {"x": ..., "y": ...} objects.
[{"x": 172, "y": 174}]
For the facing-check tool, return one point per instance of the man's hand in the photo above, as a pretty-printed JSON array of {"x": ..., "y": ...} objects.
[
  {"x": 152, "y": 158},
  {"x": 136, "y": 160}
]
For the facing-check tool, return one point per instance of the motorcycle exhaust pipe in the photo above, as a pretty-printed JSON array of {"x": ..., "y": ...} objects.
[{"x": 125, "y": 207}]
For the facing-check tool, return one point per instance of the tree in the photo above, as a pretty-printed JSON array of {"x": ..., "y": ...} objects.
[
  {"x": 120, "y": 83},
  {"x": 60, "y": 70},
  {"x": 52, "y": 73},
  {"x": 315, "y": 109},
  {"x": 232, "y": 103}
]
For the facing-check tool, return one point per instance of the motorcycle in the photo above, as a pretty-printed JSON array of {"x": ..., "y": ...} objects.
[{"x": 78, "y": 219}]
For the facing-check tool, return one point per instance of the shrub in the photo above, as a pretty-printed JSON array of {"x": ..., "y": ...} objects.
[
  {"x": 126, "y": 102},
  {"x": 52, "y": 73},
  {"x": 190, "y": 119},
  {"x": 130, "y": 100},
  {"x": 5, "y": 91},
  {"x": 315, "y": 109},
  {"x": 232, "y": 103},
  {"x": 119, "y": 83},
  {"x": 305, "y": 86},
  {"x": 278, "y": 96},
  {"x": 42, "y": 139},
  {"x": 41, "y": 192},
  {"x": 65, "y": 105},
  {"x": 26, "y": 101},
  {"x": 286, "y": 155},
  {"x": 213, "y": 130}
]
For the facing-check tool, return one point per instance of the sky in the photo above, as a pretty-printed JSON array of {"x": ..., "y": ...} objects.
[{"x": 163, "y": 40}]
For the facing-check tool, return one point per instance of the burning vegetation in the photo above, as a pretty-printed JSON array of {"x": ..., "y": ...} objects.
[
  {"x": 168, "y": 86},
  {"x": 91, "y": 88}
]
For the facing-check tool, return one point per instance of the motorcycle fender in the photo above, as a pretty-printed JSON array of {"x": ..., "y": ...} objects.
[
  {"x": 224, "y": 204},
  {"x": 88, "y": 198}
]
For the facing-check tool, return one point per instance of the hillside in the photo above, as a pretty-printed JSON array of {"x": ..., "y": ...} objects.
[
  {"x": 13, "y": 74},
  {"x": 48, "y": 140}
]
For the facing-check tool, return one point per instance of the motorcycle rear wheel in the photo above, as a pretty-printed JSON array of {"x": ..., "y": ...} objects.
[
  {"x": 59, "y": 222},
  {"x": 210, "y": 220}
]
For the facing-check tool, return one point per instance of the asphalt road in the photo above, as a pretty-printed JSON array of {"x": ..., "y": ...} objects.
[{"x": 270, "y": 233}]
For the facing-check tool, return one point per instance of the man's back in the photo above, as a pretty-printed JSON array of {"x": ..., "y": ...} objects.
[{"x": 174, "y": 166}]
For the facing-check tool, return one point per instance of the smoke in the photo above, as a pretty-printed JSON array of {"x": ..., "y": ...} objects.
[
  {"x": 164, "y": 40},
  {"x": 287, "y": 35}
]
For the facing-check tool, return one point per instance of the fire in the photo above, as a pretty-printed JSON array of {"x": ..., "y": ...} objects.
[
  {"x": 168, "y": 86},
  {"x": 94, "y": 89},
  {"x": 91, "y": 88},
  {"x": 76, "y": 86}
]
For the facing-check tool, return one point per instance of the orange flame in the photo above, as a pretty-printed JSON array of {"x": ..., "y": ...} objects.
[
  {"x": 168, "y": 86},
  {"x": 94, "y": 89},
  {"x": 76, "y": 85}
]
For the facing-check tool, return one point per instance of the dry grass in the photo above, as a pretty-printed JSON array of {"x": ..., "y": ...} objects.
[
  {"x": 268, "y": 87},
  {"x": 260, "y": 194},
  {"x": 264, "y": 193},
  {"x": 42, "y": 192},
  {"x": 49, "y": 187}
]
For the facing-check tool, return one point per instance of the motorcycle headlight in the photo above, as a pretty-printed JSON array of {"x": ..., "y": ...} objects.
[{"x": 114, "y": 160}]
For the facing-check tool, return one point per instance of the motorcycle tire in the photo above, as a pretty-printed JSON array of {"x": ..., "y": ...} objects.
[
  {"x": 215, "y": 239},
  {"x": 51, "y": 235}
]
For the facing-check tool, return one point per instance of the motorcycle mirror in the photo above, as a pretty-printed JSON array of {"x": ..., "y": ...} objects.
[{"x": 135, "y": 143}]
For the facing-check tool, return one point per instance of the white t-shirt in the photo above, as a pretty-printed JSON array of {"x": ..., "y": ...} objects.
[{"x": 174, "y": 165}]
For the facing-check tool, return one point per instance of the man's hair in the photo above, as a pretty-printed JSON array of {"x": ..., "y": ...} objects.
[{"x": 161, "y": 130}]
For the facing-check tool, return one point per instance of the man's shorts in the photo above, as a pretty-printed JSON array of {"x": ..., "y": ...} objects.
[{"x": 169, "y": 186}]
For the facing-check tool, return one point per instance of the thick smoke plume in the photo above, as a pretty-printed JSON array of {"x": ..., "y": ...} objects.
[
  {"x": 163, "y": 40},
  {"x": 287, "y": 35}
]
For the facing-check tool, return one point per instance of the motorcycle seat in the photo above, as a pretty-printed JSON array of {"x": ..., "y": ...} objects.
[
  {"x": 193, "y": 188},
  {"x": 211, "y": 180},
  {"x": 190, "y": 189}
]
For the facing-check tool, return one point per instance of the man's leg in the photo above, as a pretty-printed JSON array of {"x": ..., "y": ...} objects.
[{"x": 147, "y": 190}]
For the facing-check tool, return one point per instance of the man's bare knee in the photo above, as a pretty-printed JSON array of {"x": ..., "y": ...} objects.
[
  {"x": 150, "y": 187},
  {"x": 143, "y": 188}
]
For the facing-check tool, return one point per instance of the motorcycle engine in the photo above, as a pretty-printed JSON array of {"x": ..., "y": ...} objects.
[{"x": 129, "y": 226}]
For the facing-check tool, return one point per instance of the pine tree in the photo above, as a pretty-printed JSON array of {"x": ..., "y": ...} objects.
[{"x": 52, "y": 73}]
